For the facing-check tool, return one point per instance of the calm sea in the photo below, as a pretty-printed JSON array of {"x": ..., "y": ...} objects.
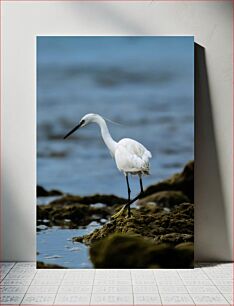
[{"x": 144, "y": 83}]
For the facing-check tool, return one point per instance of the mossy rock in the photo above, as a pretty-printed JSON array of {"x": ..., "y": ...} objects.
[
  {"x": 184, "y": 252},
  {"x": 168, "y": 198},
  {"x": 42, "y": 192},
  {"x": 155, "y": 225},
  {"x": 119, "y": 251},
  {"x": 109, "y": 200},
  {"x": 168, "y": 193},
  {"x": 77, "y": 209},
  {"x": 183, "y": 182},
  {"x": 77, "y": 214},
  {"x": 175, "y": 238},
  {"x": 42, "y": 265}
]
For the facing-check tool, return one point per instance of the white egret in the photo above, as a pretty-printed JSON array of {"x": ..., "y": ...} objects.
[{"x": 131, "y": 157}]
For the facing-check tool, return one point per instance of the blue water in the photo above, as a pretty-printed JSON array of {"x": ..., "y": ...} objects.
[
  {"x": 55, "y": 246},
  {"x": 144, "y": 83}
]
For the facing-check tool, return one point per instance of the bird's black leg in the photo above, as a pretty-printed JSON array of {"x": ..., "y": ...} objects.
[
  {"x": 141, "y": 184},
  {"x": 129, "y": 197}
]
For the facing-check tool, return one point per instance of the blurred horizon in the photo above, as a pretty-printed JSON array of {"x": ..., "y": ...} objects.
[{"x": 145, "y": 83}]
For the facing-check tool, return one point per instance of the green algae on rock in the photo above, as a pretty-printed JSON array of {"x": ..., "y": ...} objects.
[
  {"x": 154, "y": 223},
  {"x": 42, "y": 265},
  {"x": 168, "y": 198},
  {"x": 128, "y": 251},
  {"x": 159, "y": 234},
  {"x": 70, "y": 215},
  {"x": 79, "y": 211},
  {"x": 42, "y": 192},
  {"x": 183, "y": 182},
  {"x": 108, "y": 199}
]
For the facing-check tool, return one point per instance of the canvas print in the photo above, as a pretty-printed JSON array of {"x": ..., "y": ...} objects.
[{"x": 115, "y": 152}]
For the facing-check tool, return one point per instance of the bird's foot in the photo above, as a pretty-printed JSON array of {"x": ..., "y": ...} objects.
[
  {"x": 119, "y": 213},
  {"x": 129, "y": 215}
]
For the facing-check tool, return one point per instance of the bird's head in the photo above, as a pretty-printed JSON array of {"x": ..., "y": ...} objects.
[{"x": 88, "y": 118}]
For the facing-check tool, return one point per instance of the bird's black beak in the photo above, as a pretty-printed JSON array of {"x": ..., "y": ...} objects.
[{"x": 73, "y": 130}]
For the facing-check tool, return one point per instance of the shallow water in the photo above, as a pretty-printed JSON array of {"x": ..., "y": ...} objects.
[{"x": 55, "y": 246}]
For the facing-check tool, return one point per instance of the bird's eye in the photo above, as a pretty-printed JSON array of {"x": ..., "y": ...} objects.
[{"x": 82, "y": 122}]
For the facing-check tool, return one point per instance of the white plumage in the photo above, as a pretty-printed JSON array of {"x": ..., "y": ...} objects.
[{"x": 131, "y": 157}]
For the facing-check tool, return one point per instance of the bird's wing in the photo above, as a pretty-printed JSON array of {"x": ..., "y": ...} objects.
[
  {"x": 135, "y": 147},
  {"x": 131, "y": 155}
]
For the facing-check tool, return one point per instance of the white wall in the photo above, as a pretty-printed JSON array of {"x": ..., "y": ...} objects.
[{"x": 211, "y": 24}]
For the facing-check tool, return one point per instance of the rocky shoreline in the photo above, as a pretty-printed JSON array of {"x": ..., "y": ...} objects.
[
  {"x": 72, "y": 211},
  {"x": 159, "y": 233},
  {"x": 150, "y": 222}
]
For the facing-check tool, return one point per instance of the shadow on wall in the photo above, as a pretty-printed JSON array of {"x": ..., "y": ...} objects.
[
  {"x": 212, "y": 241},
  {"x": 210, "y": 215},
  {"x": 108, "y": 17}
]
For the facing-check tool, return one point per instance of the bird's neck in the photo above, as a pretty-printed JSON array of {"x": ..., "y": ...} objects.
[{"x": 108, "y": 140}]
